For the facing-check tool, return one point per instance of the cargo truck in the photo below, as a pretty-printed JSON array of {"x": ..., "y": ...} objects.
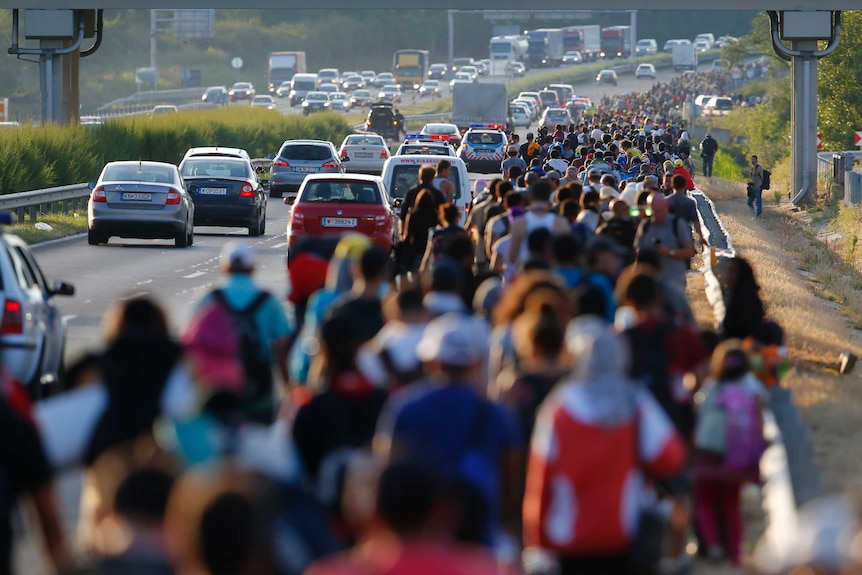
[
  {"x": 545, "y": 47},
  {"x": 410, "y": 67},
  {"x": 684, "y": 57},
  {"x": 585, "y": 39},
  {"x": 617, "y": 42},
  {"x": 505, "y": 50},
  {"x": 479, "y": 104},
  {"x": 282, "y": 67}
]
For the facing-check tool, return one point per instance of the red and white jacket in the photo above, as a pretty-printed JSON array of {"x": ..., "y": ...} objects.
[{"x": 592, "y": 446}]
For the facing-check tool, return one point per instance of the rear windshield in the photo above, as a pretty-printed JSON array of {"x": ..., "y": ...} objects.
[
  {"x": 557, "y": 114},
  {"x": 305, "y": 152},
  {"x": 364, "y": 141},
  {"x": 341, "y": 192},
  {"x": 139, "y": 173},
  {"x": 485, "y": 138},
  {"x": 406, "y": 176},
  {"x": 304, "y": 85},
  {"x": 214, "y": 168},
  {"x": 424, "y": 150}
]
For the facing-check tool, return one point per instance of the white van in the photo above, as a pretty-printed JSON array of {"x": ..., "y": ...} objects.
[
  {"x": 400, "y": 173},
  {"x": 709, "y": 38},
  {"x": 646, "y": 46},
  {"x": 300, "y": 86}
]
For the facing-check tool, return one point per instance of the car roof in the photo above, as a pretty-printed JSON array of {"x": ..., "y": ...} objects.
[
  {"x": 216, "y": 151},
  {"x": 349, "y": 177},
  {"x": 321, "y": 142},
  {"x": 425, "y": 159},
  {"x": 148, "y": 163}
]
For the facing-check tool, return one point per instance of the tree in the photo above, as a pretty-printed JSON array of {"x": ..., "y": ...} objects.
[{"x": 840, "y": 100}]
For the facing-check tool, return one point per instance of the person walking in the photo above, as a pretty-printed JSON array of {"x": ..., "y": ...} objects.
[
  {"x": 755, "y": 188},
  {"x": 538, "y": 216},
  {"x": 441, "y": 180},
  {"x": 708, "y": 149}
]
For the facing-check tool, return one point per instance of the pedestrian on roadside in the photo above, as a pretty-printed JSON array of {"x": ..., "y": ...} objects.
[
  {"x": 708, "y": 149},
  {"x": 755, "y": 188}
]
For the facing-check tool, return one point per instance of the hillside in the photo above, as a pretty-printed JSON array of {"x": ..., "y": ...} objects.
[{"x": 346, "y": 39}]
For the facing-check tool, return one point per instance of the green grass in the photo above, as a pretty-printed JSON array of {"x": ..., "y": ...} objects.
[
  {"x": 62, "y": 225},
  {"x": 726, "y": 168}
]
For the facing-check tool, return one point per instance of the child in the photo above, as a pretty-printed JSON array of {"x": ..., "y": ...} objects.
[{"x": 728, "y": 446}]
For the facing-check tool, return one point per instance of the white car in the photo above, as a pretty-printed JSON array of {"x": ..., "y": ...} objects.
[
  {"x": 263, "y": 102},
  {"x": 443, "y": 129},
  {"x": 429, "y": 88},
  {"x": 572, "y": 57},
  {"x": 400, "y": 173},
  {"x": 339, "y": 102},
  {"x": 367, "y": 153},
  {"x": 472, "y": 70},
  {"x": 520, "y": 115},
  {"x": 645, "y": 71},
  {"x": 32, "y": 329},
  {"x": 701, "y": 45},
  {"x": 425, "y": 145},
  {"x": 461, "y": 78},
  {"x": 390, "y": 93},
  {"x": 216, "y": 151}
]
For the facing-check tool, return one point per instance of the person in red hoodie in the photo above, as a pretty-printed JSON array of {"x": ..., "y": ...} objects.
[
  {"x": 679, "y": 170},
  {"x": 599, "y": 440}
]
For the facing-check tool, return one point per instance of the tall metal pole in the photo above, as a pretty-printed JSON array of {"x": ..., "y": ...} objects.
[
  {"x": 451, "y": 15},
  {"x": 634, "y": 24},
  {"x": 154, "y": 30}
]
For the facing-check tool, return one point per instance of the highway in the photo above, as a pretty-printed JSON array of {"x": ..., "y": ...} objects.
[{"x": 177, "y": 278}]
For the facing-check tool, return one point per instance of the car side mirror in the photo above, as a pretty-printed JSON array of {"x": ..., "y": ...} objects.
[{"x": 62, "y": 288}]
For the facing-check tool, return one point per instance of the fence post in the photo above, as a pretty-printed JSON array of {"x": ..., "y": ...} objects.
[{"x": 34, "y": 213}]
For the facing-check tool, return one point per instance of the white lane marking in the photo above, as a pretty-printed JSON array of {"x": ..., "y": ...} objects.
[
  {"x": 194, "y": 275},
  {"x": 134, "y": 295},
  {"x": 69, "y": 317},
  {"x": 277, "y": 246}
]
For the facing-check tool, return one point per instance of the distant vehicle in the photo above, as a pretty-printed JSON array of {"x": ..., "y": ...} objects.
[
  {"x": 706, "y": 37},
  {"x": 549, "y": 98},
  {"x": 367, "y": 153},
  {"x": 457, "y": 63},
  {"x": 315, "y": 102},
  {"x": 484, "y": 66},
  {"x": 564, "y": 91},
  {"x": 472, "y": 70},
  {"x": 584, "y": 39},
  {"x": 702, "y": 99},
  {"x": 146, "y": 200},
  {"x": 519, "y": 69},
  {"x": 400, "y": 173},
  {"x": 520, "y": 115},
  {"x": 410, "y": 67},
  {"x": 383, "y": 79},
  {"x": 429, "y": 88},
  {"x": 215, "y": 151},
  {"x": 328, "y": 76},
  {"x": 461, "y": 78},
  {"x": 361, "y": 98},
  {"x": 381, "y": 120},
  {"x": 645, "y": 71},
  {"x": 32, "y": 327},
  {"x": 390, "y": 93},
  {"x": 241, "y": 91},
  {"x": 438, "y": 71},
  {"x": 335, "y": 203},
  {"x": 163, "y": 109},
  {"x": 297, "y": 159},
  {"x": 226, "y": 192},
  {"x": 701, "y": 45},
  {"x": 484, "y": 147},
  {"x": 718, "y": 106},
  {"x": 607, "y": 77},
  {"x": 684, "y": 57},
  {"x": 719, "y": 64},
  {"x": 442, "y": 129},
  {"x": 668, "y": 46},
  {"x": 329, "y": 88},
  {"x": 479, "y": 104},
  {"x": 283, "y": 90},
  {"x": 216, "y": 95},
  {"x": 300, "y": 86},
  {"x": 530, "y": 106},
  {"x": 545, "y": 47},
  {"x": 555, "y": 116},
  {"x": 368, "y": 76},
  {"x": 90, "y": 120},
  {"x": 350, "y": 82},
  {"x": 423, "y": 144},
  {"x": 725, "y": 41},
  {"x": 572, "y": 57},
  {"x": 616, "y": 42},
  {"x": 506, "y": 50},
  {"x": 646, "y": 47},
  {"x": 339, "y": 102},
  {"x": 263, "y": 102},
  {"x": 282, "y": 67}
]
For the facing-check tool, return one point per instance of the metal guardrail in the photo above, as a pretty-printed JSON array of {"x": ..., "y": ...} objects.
[{"x": 789, "y": 473}]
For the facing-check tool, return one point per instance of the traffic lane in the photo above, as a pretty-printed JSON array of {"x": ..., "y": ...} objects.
[{"x": 176, "y": 277}]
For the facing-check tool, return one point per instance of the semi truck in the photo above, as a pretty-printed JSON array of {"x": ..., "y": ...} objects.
[
  {"x": 545, "y": 47},
  {"x": 282, "y": 67},
  {"x": 504, "y": 50},
  {"x": 479, "y": 104},
  {"x": 585, "y": 39},
  {"x": 617, "y": 42},
  {"x": 684, "y": 57},
  {"x": 410, "y": 67}
]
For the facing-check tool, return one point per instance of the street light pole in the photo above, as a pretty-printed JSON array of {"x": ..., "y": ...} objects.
[{"x": 154, "y": 30}]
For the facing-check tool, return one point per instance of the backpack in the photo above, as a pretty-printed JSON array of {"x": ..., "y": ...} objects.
[
  {"x": 674, "y": 223},
  {"x": 744, "y": 437},
  {"x": 256, "y": 394},
  {"x": 766, "y": 179}
]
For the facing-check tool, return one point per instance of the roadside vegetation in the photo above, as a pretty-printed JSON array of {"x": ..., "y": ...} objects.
[
  {"x": 33, "y": 157},
  {"x": 60, "y": 225}
]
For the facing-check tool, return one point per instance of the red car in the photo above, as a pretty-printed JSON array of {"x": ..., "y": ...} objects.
[{"x": 330, "y": 204}]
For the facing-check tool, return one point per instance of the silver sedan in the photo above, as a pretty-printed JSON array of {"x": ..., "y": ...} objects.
[{"x": 145, "y": 200}]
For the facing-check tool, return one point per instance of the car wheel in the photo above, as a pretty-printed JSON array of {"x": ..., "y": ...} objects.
[
  {"x": 191, "y": 234},
  {"x": 262, "y": 228},
  {"x": 254, "y": 228},
  {"x": 95, "y": 239},
  {"x": 182, "y": 240}
]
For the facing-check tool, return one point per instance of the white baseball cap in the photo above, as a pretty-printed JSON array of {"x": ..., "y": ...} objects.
[
  {"x": 237, "y": 255},
  {"x": 452, "y": 339}
]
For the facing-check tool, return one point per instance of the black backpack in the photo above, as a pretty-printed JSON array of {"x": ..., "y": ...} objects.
[
  {"x": 766, "y": 179},
  {"x": 257, "y": 393}
]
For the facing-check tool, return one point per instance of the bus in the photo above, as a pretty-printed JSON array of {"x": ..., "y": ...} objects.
[
  {"x": 410, "y": 67},
  {"x": 281, "y": 67}
]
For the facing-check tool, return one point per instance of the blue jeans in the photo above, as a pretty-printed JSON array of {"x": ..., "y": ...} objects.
[
  {"x": 757, "y": 196},
  {"x": 707, "y": 166}
]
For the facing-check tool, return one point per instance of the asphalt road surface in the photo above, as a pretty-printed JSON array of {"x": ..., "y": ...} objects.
[{"x": 177, "y": 278}]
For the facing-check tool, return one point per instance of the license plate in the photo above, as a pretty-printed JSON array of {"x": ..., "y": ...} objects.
[
  {"x": 485, "y": 152},
  {"x": 339, "y": 222},
  {"x": 364, "y": 155},
  {"x": 212, "y": 191},
  {"x": 136, "y": 196},
  {"x": 301, "y": 169}
]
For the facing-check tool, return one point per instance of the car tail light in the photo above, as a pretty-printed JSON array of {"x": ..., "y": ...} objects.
[
  {"x": 330, "y": 165},
  {"x": 280, "y": 164},
  {"x": 174, "y": 197},
  {"x": 247, "y": 190},
  {"x": 384, "y": 153},
  {"x": 297, "y": 219},
  {"x": 99, "y": 194},
  {"x": 381, "y": 221},
  {"x": 344, "y": 153},
  {"x": 13, "y": 318}
]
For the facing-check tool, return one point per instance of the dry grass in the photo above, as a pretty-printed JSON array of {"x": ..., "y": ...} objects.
[{"x": 814, "y": 294}]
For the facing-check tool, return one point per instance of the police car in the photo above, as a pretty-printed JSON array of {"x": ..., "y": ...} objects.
[
  {"x": 483, "y": 147},
  {"x": 400, "y": 173},
  {"x": 427, "y": 144}
]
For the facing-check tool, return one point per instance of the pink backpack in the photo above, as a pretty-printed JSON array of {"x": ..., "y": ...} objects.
[{"x": 745, "y": 443}]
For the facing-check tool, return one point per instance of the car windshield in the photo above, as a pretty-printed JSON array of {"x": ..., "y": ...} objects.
[
  {"x": 242, "y": 86},
  {"x": 364, "y": 141},
  {"x": 557, "y": 114},
  {"x": 438, "y": 129},
  {"x": 341, "y": 191},
  {"x": 362, "y": 94},
  {"x": 317, "y": 96},
  {"x": 406, "y": 176},
  {"x": 386, "y": 76},
  {"x": 485, "y": 138},
  {"x": 263, "y": 100},
  {"x": 424, "y": 150},
  {"x": 138, "y": 173},
  {"x": 327, "y": 74},
  {"x": 432, "y": 83},
  {"x": 339, "y": 96},
  {"x": 214, "y": 168},
  {"x": 309, "y": 152}
]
